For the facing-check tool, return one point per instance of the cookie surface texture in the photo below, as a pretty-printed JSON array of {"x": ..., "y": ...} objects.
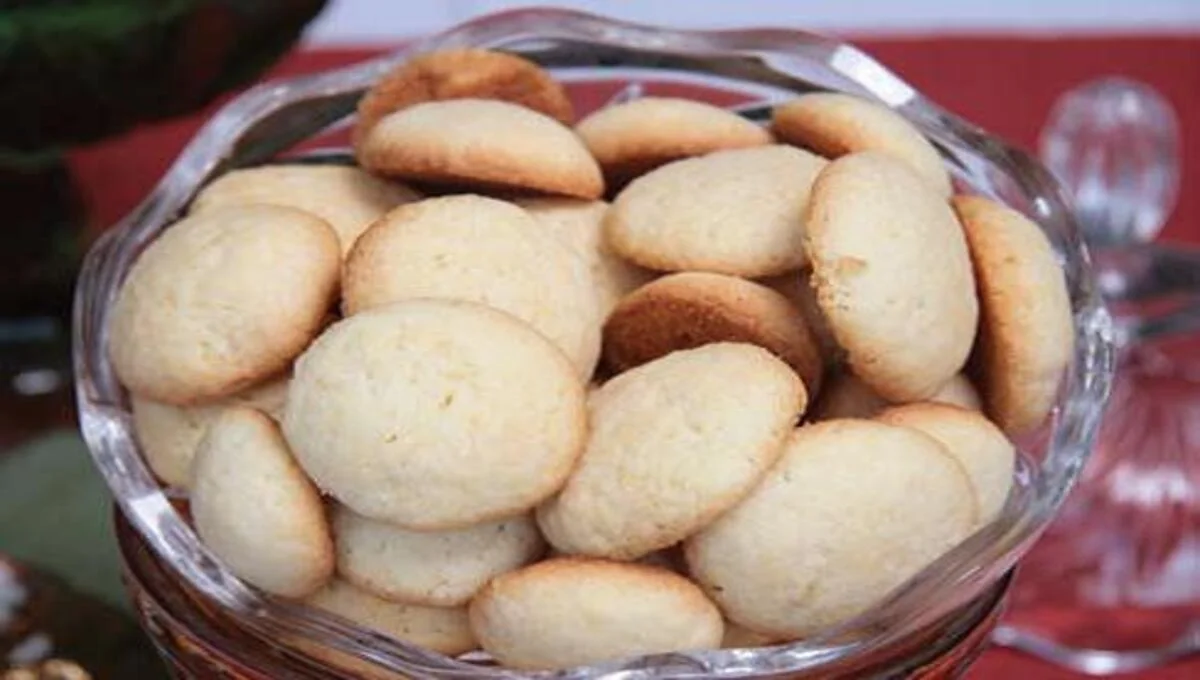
[
  {"x": 535, "y": 618},
  {"x": 1026, "y": 330},
  {"x": 691, "y": 309},
  {"x": 434, "y": 568},
  {"x": 835, "y": 124},
  {"x": 736, "y": 212},
  {"x": 892, "y": 274},
  {"x": 223, "y": 300},
  {"x": 484, "y": 144},
  {"x": 637, "y": 136},
  {"x": 434, "y": 414},
  {"x": 480, "y": 250},
  {"x": 851, "y": 510},
  {"x": 982, "y": 449},
  {"x": 346, "y": 197},
  {"x": 255, "y": 508},
  {"x": 441, "y": 629},
  {"x": 673, "y": 444}
]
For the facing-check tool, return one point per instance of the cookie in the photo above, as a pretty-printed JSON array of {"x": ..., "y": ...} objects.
[
  {"x": 797, "y": 288},
  {"x": 892, "y": 275},
  {"x": 571, "y": 612},
  {"x": 168, "y": 435},
  {"x": 736, "y": 212},
  {"x": 845, "y": 396},
  {"x": 346, "y": 197},
  {"x": 579, "y": 226},
  {"x": 1026, "y": 331},
  {"x": 433, "y": 568},
  {"x": 255, "y": 508},
  {"x": 673, "y": 444},
  {"x": 633, "y": 138},
  {"x": 980, "y": 447},
  {"x": 690, "y": 309},
  {"x": 852, "y": 509},
  {"x": 479, "y": 250},
  {"x": 461, "y": 74},
  {"x": 484, "y": 144},
  {"x": 223, "y": 300},
  {"x": 738, "y": 637},
  {"x": 441, "y": 629},
  {"x": 435, "y": 414},
  {"x": 834, "y": 124}
]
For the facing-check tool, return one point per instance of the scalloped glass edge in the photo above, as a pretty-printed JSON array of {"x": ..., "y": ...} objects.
[{"x": 272, "y": 116}]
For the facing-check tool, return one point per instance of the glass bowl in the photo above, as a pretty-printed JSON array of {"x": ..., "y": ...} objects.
[{"x": 599, "y": 59}]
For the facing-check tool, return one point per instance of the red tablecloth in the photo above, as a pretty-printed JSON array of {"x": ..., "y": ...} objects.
[{"x": 1007, "y": 85}]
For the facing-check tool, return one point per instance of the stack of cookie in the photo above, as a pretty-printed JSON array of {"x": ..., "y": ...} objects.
[{"x": 453, "y": 394}]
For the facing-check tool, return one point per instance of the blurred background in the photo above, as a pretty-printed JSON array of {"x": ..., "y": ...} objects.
[{"x": 97, "y": 97}]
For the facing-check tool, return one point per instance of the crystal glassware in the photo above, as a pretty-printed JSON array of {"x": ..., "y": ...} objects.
[{"x": 597, "y": 57}]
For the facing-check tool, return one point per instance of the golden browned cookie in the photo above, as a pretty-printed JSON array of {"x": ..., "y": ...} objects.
[
  {"x": 633, "y": 138},
  {"x": 686, "y": 310},
  {"x": 892, "y": 274},
  {"x": 835, "y": 124},
  {"x": 463, "y": 74},
  {"x": 481, "y": 144},
  {"x": 441, "y": 629},
  {"x": 1025, "y": 331},
  {"x": 797, "y": 288},
  {"x": 845, "y": 396}
]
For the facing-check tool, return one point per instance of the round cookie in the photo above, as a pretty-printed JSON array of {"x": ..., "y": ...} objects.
[
  {"x": 484, "y": 144},
  {"x": 168, "y": 435},
  {"x": 632, "y": 138},
  {"x": 674, "y": 443},
  {"x": 433, "y": 568},
  {"x": 254, "y": 508},
  {"x": 834, "y": 124},
  {"x": 222, "y": 300},
  {"x": 845, "y": 396},
  {"x": 1026, "y": 332},
  {"x": 579, "y": 226},
  {"x": 737, "y": 212},
  {"x": 460, "y": 74},
  {"x": 797, "y": 288},
  {"x": 441, "y": 629},
  {"x": 852, "y": 509},
  {"x": 980, "y": 447},
  {"x": 570, "y": 612},
  {"x": 892, "y": 275},
  {"x": 738, "y": 637},
  {"x": 346, "y": 197},
  {"x": 435, "y": 414},
  {"x": 691, "y": 309},
  {"x": 480, "y": 250}
]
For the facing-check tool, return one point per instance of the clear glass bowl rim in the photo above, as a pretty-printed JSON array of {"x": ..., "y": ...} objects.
[{"x": 272, "y": 116}]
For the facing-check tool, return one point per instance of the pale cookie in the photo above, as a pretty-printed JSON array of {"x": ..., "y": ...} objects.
[
  {"x": 480, "y": 250},
  {"x": 853, "y": 509},
  {"x": 579, "y": 226},
  {"x": 892, "y": 274},
  {"x": 674, "y": 443},
  {"x": 460, "y": 74},
  {"x": 1026, "y": 332},
  {"x": 845, "y": 396},
  {"x": 737, "y": 212},
  {"x": 434, "y": 568},
  {"x": 797, "y": 288},
  {"x": 632, "y": 138},
  {"x": 691, "y": 309},
  {"x": 982, "y": 449},
  {"x": 434, "y": 414},
  {"x": 223, "y": 300},
  {"x": 168, "y": 435},
  {"x": 835, "y": 124},
  {"x": 348, "y": 198},
  {"x": 441, "y": 629},
  {"x": 255, "y": 509},
  {"x": 484, "y": 144},
  {"x": 572, "y": 612}
]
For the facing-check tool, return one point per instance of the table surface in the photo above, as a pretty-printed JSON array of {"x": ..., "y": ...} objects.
[{"x": 1005, "y": 84}]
